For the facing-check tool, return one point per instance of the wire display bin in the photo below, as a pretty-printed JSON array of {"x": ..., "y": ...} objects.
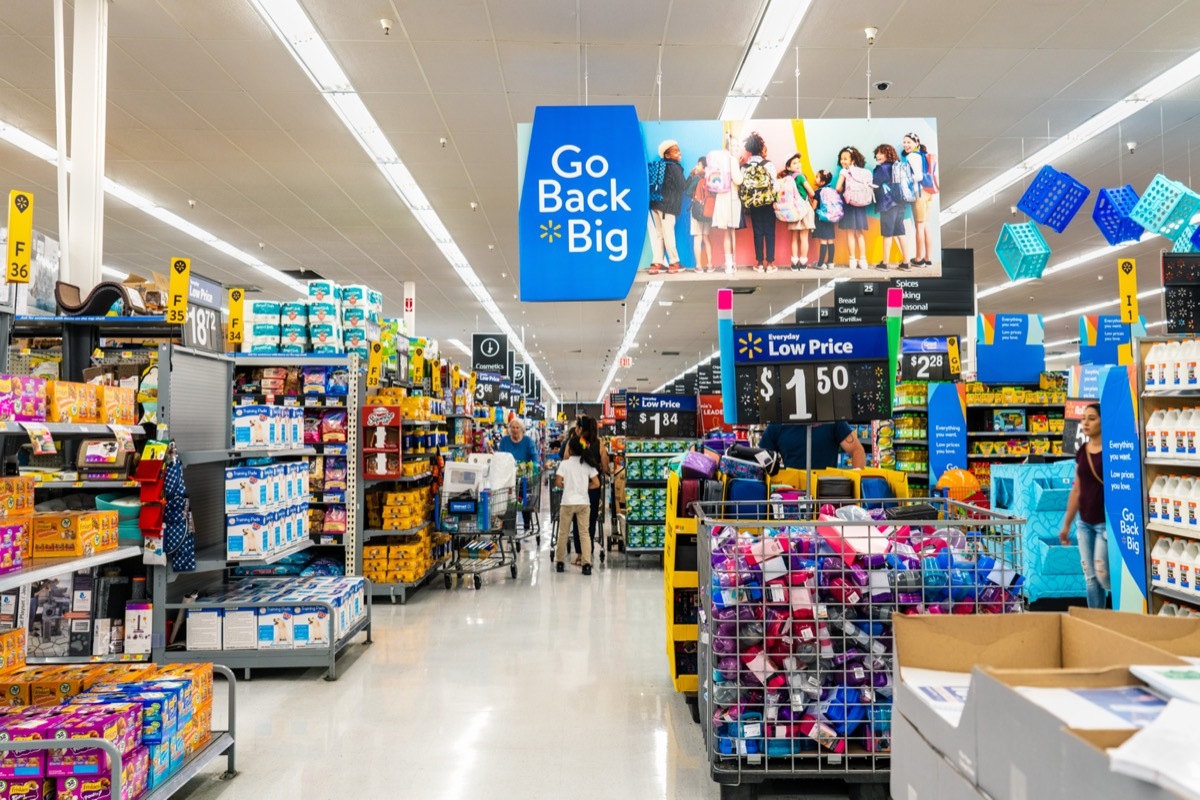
[
  {"x": 480, "y": 527},
  {"x": 796, "y": 658}
]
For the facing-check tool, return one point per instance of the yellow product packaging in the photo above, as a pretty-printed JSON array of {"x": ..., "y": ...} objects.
[
  {"x": 118, "y": 405},
  {"x": 67, "y": 401},
  {"x": 375, "y": 551},
  {"x": 375, "y": 565},
  {"x": 65, "y": 533}
]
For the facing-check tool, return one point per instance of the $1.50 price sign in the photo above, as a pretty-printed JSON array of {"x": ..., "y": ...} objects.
[
  {"x": 932, "y": 358},
  {"x": 667, "y": 416},
  {"x": 811, "y": 374}
]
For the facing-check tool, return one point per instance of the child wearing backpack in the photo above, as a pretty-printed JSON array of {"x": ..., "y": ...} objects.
[
  {"x": 854, "y": 185},
  {"x": 829, "y": 211},
  {"x": 920, "y": 160},
  {"x": 723, "y": 181},
  {"x": 666, "y": 201},
  {"x": 800, "y": 228},
  {"x": 702, "y": 210},
  {"x": 890, "y": 202},
  {"x": 758, "y": 195}
]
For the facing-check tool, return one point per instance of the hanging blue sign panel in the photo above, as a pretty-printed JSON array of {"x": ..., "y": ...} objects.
[
  {"x": 1123, "y": 494},
  {"x": 947, "y": 412},
  {"x": 1101, "y": 336},
  {"x": 1010, "y": 348}
]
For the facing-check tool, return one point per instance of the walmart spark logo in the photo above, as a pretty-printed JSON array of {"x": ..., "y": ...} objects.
[
  {"x": 550, "y": 231},
  {"x": 750, "y": 346}
]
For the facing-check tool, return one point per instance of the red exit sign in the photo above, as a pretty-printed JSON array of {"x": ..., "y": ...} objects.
[{"x": 625, "y": 361}]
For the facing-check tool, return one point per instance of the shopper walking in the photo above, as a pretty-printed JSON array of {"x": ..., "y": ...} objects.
[
  {"x": 575, "y": 478},
  {"x": 758, "y": 196},
  {"x": 1087, "y": 499},
  {"x": 666, "y": 201},
  {"x": 524, "y": 451},
  {"x": 595, "y": 455}
]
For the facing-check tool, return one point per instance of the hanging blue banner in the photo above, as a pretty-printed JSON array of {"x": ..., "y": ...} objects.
[
  {"x": 759, "y": 344},
  {"x": 584, "y": 200},
  {"x": 1100, "y": 336},
  {"x": 1010, "y": 348},
  {"x": 1123, "y": 496},
  {"x": 947, "y": 412}
]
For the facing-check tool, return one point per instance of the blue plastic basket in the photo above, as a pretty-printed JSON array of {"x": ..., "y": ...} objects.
[
  {"x": 1022, "y": 250},
  {"x": 1054, "y": 198},
  {"x": 1165, "y": 207},
  {"x": 1111, "y": 215},
  {"x": 1185, "y": 241}
]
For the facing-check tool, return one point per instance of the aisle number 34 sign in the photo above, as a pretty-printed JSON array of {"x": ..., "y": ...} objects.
[{"x": 20, "y": 236}]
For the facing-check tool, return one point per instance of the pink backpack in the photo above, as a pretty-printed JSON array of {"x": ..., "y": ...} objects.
[
  {"x": 787, "y": 203},
  {"x": 716, "y": 173},
  {"x": 858, "y": 190}
]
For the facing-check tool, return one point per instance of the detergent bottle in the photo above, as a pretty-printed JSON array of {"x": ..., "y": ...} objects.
[{"x": 1158, "y": 562}]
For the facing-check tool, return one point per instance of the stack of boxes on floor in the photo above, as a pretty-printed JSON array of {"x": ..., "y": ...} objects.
[
  {"x": 156, "y": 717},
  {"x": 402, "y": 559},
  {"x": 332, "y": 320},
  {"x": 266, "y": 508},
  {"x": 272, "y": 614}
]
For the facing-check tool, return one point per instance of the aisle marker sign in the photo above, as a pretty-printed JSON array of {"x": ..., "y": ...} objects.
[
  {"x": 374, "y": 363},
  {"x": 237, "y": 297},
  {"x": 953, "y": 356},
  {"x": 20, "y": 236},
  {"x": 1127, "y": 289},
  {"x": 178, "y": 287}
]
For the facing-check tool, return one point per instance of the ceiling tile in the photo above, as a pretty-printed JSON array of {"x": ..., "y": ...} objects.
[
  {"x": 219, "y": 21},
  {"x": 532, "y": 22},
  {"x": 967, "y": 73},
  {"x": 445, "y": 21},
  {"x": 264, "y": 66},
  {"x": 542, "y": 67},
  {"x": 386, "y": 65},
  {"x": 467, "y": 67}
]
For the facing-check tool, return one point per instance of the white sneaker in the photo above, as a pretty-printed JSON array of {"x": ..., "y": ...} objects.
[{"x": 729, "y": 269}]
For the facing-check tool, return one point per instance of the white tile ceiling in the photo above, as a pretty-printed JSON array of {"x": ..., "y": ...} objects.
[{"x": 205, "y": 104}]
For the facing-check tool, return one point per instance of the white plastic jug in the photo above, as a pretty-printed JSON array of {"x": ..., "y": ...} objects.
[
  {"x": 1166, "y": 368},
  {"x": 1153, "y": 360},
  {"x": 1192, "y": 520},
  {"x": 1191, "y": 563},
  {"x": 1154, "y": 427},
  {"x": 1189, "y": 420},
  {"x": 1164, "y": 500},
  {"x": 1154, "y": 496},
  {"x": 1158, "y": 562},
  {"x": 1168, "y": 610},
  {"x": 1189, "y": 355},
  {"x": 1179, "y": 500},
  {"x": 1173, "y": 557},
  {"x": 1168, "y": 441}
]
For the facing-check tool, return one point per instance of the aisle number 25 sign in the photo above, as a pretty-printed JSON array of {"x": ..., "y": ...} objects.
[
  {"x": 20, "y": 237},
  {"x": 178, "y": 286}
]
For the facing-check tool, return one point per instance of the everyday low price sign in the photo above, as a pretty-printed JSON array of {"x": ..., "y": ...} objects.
[{"x": 660, "y": 415}]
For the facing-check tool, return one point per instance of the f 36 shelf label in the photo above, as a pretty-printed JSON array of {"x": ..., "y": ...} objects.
[
  {"x": 812, "y": 374},
  {"x": 660, "y": 415}
]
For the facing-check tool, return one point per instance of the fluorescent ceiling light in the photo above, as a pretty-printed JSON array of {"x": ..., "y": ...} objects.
[
  {"x": 1097, "y": 306},
  {"x": 457, "y": 343},
  {"x": 1164, "y": 84},
  {"x": 1072, "y": 340},
  {"x": 914, "y": 318},
  {"x": 1070, "y": 354},
  {"x": 293, "y": 27},
  {"x": 649, "y": 295},
  {"x": 776, "y": 29}
]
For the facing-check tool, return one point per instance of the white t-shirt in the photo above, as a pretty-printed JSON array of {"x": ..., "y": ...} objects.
[{"x": 575, "y": 477}]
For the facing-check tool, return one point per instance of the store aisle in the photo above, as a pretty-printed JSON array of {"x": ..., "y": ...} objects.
[{"x": 549, "y": 686}]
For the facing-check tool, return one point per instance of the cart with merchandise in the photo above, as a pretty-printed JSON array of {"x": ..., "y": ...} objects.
[
  {"x": 529, "y": 492},
  {"x": 483, "y": 534},
  {"x": 795, "y": 660},
  {"x": 600, "y": 543}
]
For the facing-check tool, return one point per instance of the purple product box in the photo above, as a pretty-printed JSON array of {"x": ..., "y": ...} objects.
[
  {"x": 28, "y": 789},
  {"x": 22, "y": 764},
  {"x": 89, "y": 761},
  {"x": 22, "y": 398}
]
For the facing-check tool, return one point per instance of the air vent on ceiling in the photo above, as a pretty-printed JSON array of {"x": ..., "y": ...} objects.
[
  {"x": 640, "y": 380},
  {"x": 303, "y": 274},
  {"x": 576, "y": 351},
  {"x": 669, "y": 353},
  {"x": 744, "y": 289}
]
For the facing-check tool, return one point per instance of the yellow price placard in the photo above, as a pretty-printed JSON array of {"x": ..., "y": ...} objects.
[
  {"x": 953, "y": 360},
  {"x": 20, "y": 237},
  {"x": 1127, "y": 288},
  {"x": 237, "y": 300},
  {"x": 374, "y": 363},
  {"x": 177, "y": 290}
]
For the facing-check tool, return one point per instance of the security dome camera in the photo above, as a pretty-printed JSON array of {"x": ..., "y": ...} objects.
[
  {"x": 1132, "y": 146},
  {"x": 883, "y": 86}
]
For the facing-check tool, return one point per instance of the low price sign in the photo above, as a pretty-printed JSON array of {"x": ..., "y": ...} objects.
[
  {"x": 487, "y": 388},
  {"x": 660, "y": 415},
  {"x": 811, "y": 373},
  {"x": 930, "y": 358}
]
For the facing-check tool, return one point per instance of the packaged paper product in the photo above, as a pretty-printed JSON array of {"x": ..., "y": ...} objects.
[
  {"x": 326, "y": 349},
  {"x": 354, "y": 338},
  {"x": 323, "y": 313},
  {"x": 354, "y": 295},
  {"x": 354, "y": 317},
  {"x": 266, "y": 308},
  {"x": 293, "y": 334},
  {"x": 360, "y": 351},
  {"x": 375, "y": 300},
  {"x": 261, "y": 349},
  {"x": 294, "y": 313},
  {"x": 264, "y": 329},
  {"x": 325, "y": 335},
  {"x": 323, "y": 290}
]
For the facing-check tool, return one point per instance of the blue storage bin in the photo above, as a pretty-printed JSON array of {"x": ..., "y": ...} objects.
[
  {"x": 1022, "y": 250},
  {"x": 1111, "y": 215},
  {"x": 1054, "y": 198},
  {"x": 1165, "y": 207}
]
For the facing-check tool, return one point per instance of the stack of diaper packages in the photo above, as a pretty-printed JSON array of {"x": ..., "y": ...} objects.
[
  {"x": 262, "y": 331},
  {"x": 293, "y": 319},
  {"x": 362, "y": 318},
  {"x": 325, "y": 317}
]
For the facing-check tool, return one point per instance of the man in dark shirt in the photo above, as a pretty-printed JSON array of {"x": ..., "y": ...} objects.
[
  {"x": 664, "y": 212},
  {"x": 791, "y": 442}
]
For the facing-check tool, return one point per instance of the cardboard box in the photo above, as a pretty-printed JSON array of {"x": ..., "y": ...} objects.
[
  {"x": 67, "y": 401},
  {"x": 1179, "y": 636},
  {"x": 204, "y": 628},
  {"x": 914, "y": 763},
  {"x": 1032, "y": 642}
]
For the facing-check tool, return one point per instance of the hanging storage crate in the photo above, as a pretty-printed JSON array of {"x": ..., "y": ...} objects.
[
  {"x": 1165, "y": 207},
  {"x": 1022, "y": 250},
  {"x": 1111, "y": 215},
  {"x": 1185, "y": 242},
  {"x": 1053, "y": 198}
]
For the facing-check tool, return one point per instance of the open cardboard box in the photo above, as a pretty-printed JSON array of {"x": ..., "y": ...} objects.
[
  {"x": 1029, "y": 642},
  {"x": 1179, "y": 636},
  {"x": 152, "y": 290}
]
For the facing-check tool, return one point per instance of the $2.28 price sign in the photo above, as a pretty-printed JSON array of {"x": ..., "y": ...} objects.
[
  {"x": 660, "y": 415},
  {"x": 933, "y": 358}
]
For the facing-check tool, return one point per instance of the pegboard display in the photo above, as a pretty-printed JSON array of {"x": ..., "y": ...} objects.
[{"x": 1181, "y": 296}]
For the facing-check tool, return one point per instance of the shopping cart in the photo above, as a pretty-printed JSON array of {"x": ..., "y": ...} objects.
[
  {"x": 480, "y": 527},
  {"x": 556, "y": 502},
  {"x": 530, "y": 494},
  {"x": 795, "y": 657}
]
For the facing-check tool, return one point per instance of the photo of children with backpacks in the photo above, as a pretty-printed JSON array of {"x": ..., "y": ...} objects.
[
  {"x": 757, "y": 193},
  {"x": 666, "y": 201},
  {"x": 801, "y": 195},
  {"x": 701, "y": 210},
  {"x": 857, "y": 191},
  {"x": 894, "y": 191},
  {"x": 828, "y": 212},
  {"x": 924, "y": 168}
]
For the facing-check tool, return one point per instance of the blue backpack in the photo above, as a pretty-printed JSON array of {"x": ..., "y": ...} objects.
[
  {"x": 902, "y": 176},
  {"x": 656, "y": 170},
  {"x": 875, "y": 491}
]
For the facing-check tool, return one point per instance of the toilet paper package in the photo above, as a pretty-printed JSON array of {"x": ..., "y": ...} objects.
[
  {"x": 323, "y": 290},
  {"x": 323, "y": 312},
  {"x": 294, "y": 313},
  {"x": 354, "y": 296}
]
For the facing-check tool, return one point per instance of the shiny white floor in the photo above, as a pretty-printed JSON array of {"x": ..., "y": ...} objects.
[{"x": 549, "y": 686}]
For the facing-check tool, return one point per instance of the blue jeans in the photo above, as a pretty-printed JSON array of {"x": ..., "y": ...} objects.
[{"x": 1093, "y": 553}]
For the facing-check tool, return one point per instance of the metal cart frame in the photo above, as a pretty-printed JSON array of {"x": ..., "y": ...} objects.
[
  {"x": 795, "y": 657},
  {"x": 465, "y": 530},
  {"x": 531, "y": 503}
]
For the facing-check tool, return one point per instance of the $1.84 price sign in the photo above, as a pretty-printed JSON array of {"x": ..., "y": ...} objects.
[{"x": 660, "y": 415}]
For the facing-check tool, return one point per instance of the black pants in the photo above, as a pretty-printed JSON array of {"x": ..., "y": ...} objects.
[
  {"x": 594, "y": 500},
  {"x": 762, "y": 219}
]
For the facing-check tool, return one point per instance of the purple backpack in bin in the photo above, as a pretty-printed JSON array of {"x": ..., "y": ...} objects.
[{"x": 698, "y": 465}]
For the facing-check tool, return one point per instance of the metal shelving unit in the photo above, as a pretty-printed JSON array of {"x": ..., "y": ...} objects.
[{"x": 1176, "y": 595}]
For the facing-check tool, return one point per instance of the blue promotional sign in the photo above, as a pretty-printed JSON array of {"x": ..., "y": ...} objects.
[
  {"x": 660, "y": 415},
  {"x": 763, "y": 344},
  {"x": 488, "y": 388},
  {"x": 660, "y": 402},
  {"x": 1123, "y": 494},
  {"x": 584, "y": 203},
  {"x": 1010, "y": 348},
  {"x": 1101, "y": 336},
  {"x": 947, "y": 407}
]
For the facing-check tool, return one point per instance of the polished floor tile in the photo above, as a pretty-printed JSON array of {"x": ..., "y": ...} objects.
[{"x": 548, "y": 686}]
